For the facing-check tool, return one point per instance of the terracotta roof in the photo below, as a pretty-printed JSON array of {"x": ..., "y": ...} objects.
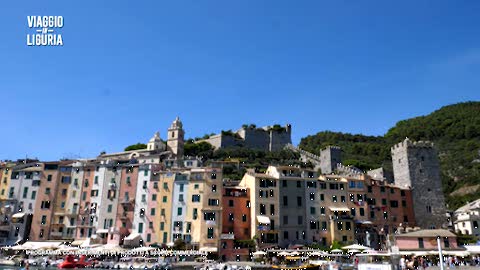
[{"x": 428, "y": 233}]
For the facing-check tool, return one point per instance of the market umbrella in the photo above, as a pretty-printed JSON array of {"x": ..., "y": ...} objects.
[{"x": 336, "y": 250}]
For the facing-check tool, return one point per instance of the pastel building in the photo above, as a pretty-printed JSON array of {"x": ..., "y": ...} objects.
[
  {"x": 236, "y": 223},
  {"x": 180, "y": 228},
  {"x": 467, "y": 219}
]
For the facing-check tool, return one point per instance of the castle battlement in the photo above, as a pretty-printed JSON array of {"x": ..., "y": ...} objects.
[{"x": 410, "y": 144}]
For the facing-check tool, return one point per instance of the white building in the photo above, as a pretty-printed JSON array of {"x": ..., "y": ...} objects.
[{"x": 467, "y": 219}]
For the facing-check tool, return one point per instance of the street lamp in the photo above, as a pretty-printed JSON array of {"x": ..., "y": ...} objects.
[{"x": 440, "y": 252}]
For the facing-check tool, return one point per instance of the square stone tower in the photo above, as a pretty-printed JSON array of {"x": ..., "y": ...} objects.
[
  {"x": 416, "y": 165},
  {"x": 329, "y": 158}
]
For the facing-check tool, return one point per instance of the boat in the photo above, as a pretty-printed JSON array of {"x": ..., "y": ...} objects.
[
  {"x": 71, "y": 262},
  {"x": 294, "y": 263}
]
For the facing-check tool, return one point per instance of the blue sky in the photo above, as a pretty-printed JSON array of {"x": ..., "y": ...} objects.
[{"x": 127, "y": 69}]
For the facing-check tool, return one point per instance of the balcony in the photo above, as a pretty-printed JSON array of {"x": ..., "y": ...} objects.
[
  {"x": 127, "y": 201},
  {"x": 56, "y": 234}
]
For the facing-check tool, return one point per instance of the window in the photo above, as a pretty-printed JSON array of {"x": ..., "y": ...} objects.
[
  {"x": 348, "y": 226},
  {"x": 272, "y": 209},
  {"x": 162, "y": 212},
  {"x": 195, "y": 186},
  {"x": 142, "y": 212},
  {"x": 384, "y": 201},
  {"x": 285, "y": 200},
  {"x": 230, "y": 203},
  {"x": 322, "y": 210},
  {"x": 342, "y": 199},
  {"x": 312, "y": 196},
  {"x": 285, "y": 220},
  {"x": 362, "y": 212},
  {"x": 25, "y": 192},
  {"x": 339, "y": 225},
  {"x": 353, "y": 211},
  {"x": 334, "y": 198},
  {"x": 300, "y": 220},
  {"x": 213, "y": 202},
  {"x": 248, "y": 204},
  {"x": 152, "y": 212},
  {"x": 210, "y": 233},
  {"x": 154, "y": 197},
  {"x": 312, "y": 210},
  {"x": 385, "y": 215},
  {"x": 260, "y": 193},
  {"x": 404, "y": 203},
  {"x": 429, "y": 209},
  {"x": 324, "y": 225},
  {"x": 47, "y": 190},
  {"x": 180, "y": 197},
  {"x": 109, "y": 208},
  {"x": 420, "y": 243},
  {"x": 34, "y": 194},
  {"x": 394, "y": 204},
  {"x": 344, "y": 238},
  {"x": 299, "y": 201},
  {"x": 165, "y": 185},
  {"x": 196, "y": 198},
  {"x": 299, "y": 184},
  {"x": 372, "y": 214},
  {"x": 446, "y": 243},
  {"x": 44, "y": 219},
  {"x": 402, "y": 193},
  {"x": 45, "y": 205},
  {"x": 322, "y": 197},
  {"x": 49, "y": 178},
  {"x": 214, "y": 188},
  {"x": 351, "y": 184},
  {"x": 179, "y": 211},
  {"x": 230, "y": 217},
  {"x": 209, "y": 216},
  {"x": 285, "y": 235},
  {"x": 369, "y": 189},
  {"x": 244, "y": 218},
  {"x": 262, "y": 209},
  {"x": 140, "y": 227},
  {"x": 284, "y": 183},
  {"x": 195, "y": 213},
  {"x": 382, "y": 189},
  {"x": 271, "y": 192}
]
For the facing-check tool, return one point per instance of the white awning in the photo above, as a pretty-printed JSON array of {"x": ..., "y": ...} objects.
[
  {"x": 77, "y": 242},
  {"x": 339, "y": 209},
  {"x": 102, "y": 231},
  {"x": 133, "y": 236},
  {"x": 18, "y": 215},
  {"x": 207, "y": 249},
  {"x": 263, "y": 219}
]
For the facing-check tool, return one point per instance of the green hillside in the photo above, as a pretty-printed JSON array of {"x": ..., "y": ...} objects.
[{"x": 455, "y": 130}]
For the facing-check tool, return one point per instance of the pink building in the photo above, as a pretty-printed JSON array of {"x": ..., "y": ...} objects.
[{"x": 426, "y": 240}]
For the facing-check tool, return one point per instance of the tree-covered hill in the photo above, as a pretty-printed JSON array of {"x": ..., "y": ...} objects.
[{"x": 455, "y": 130}]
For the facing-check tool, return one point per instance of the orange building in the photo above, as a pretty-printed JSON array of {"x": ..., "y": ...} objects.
[{"x": 236, "y": 223}]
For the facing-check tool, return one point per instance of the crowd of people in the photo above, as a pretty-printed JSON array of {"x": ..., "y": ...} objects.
[{"x": 422, "y": 262}]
